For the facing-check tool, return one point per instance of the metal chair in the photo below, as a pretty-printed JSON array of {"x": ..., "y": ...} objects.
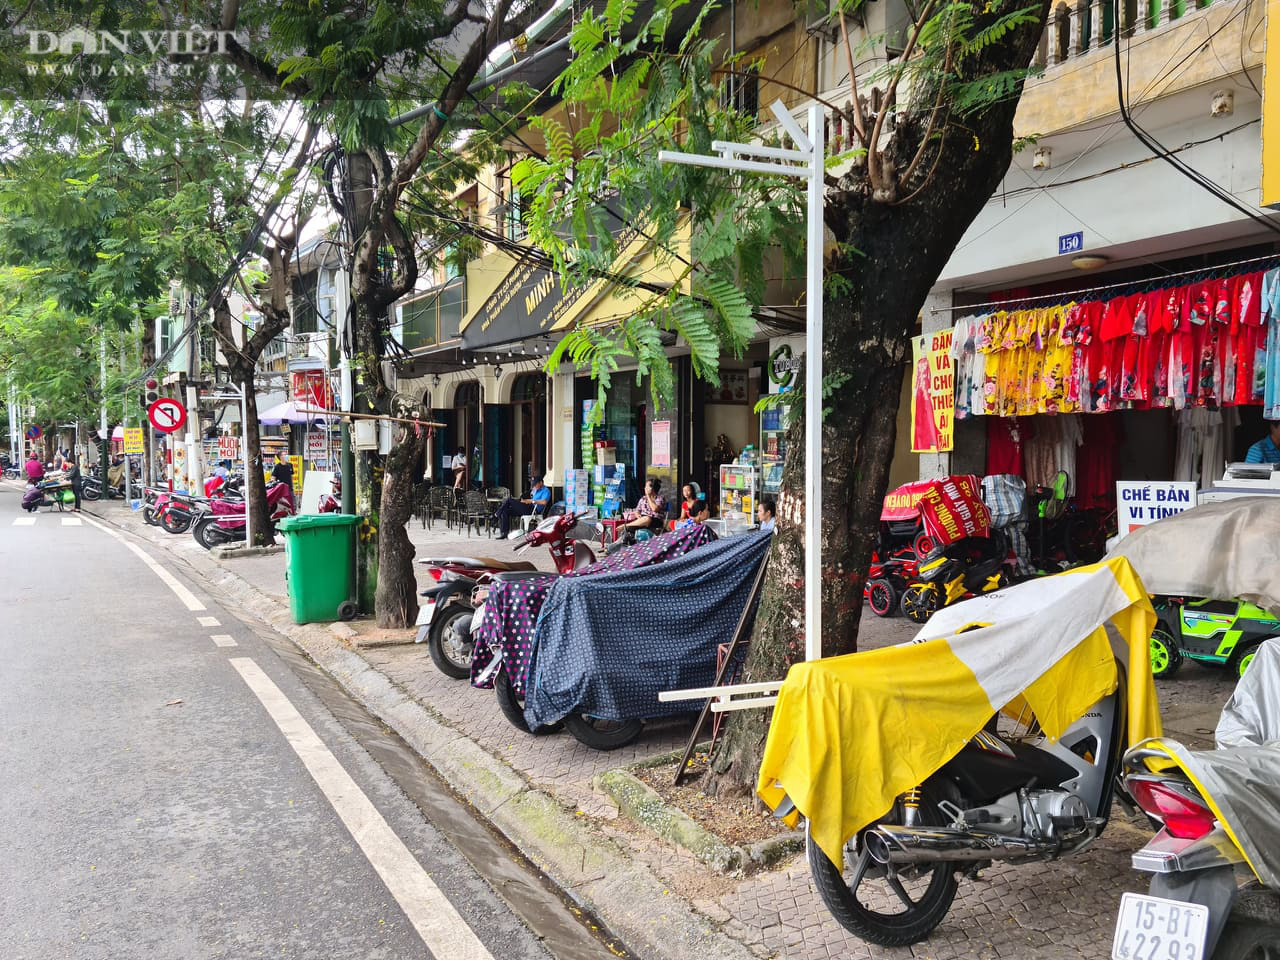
[
  {"x": 498, "y": 493},
  {"x": 438, "y": 505},
  {"x": 457, "y": 506},
  {"x": 476, "y": 512}
]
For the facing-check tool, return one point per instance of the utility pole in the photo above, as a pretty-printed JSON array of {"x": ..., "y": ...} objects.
[
  {"x": 104, "y": 441},
  {"x": 195, "y": 480}
]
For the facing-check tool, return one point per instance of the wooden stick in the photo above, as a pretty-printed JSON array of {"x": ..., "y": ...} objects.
[
  {"x": 738, "y": 633},
  {"x": 372, "y": 416}
]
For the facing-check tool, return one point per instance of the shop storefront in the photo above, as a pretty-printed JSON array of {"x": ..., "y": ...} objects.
[{"x": 1164, "y": 377}]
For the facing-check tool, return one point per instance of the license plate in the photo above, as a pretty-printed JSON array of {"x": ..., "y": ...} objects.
[
  {"x": 1152, "y": 928},
  {"x": 425, "y": 613}
]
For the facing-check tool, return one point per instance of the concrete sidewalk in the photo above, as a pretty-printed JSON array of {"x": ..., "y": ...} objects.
[{"x": 663, "y": 903}]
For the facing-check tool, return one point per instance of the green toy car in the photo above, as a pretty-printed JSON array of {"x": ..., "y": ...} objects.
[{"x": 1210, "y": 631}]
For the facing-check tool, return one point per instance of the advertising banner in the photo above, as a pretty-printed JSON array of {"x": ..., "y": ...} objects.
[
  {"x": 932, "y": 393},
  {"x": 952, "y": 509}
]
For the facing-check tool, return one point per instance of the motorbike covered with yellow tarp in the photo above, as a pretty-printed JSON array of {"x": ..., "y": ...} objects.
[{"x": 995, "y": 735}]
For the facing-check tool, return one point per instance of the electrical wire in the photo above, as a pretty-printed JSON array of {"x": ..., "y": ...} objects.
[
  {"x": 1152, "y": 144},
  {"x": 1076, "y": 295}
]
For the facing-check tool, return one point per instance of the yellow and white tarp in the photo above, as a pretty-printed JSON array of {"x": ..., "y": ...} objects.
[{"x": 849, "y": 734}]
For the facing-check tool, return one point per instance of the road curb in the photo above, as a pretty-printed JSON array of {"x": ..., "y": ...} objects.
[{"x": 588, "y": 866}]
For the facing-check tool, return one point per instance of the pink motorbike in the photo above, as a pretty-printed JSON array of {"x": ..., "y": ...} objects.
[{"x": 225, "y": 521}]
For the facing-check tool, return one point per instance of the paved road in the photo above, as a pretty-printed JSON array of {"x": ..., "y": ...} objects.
[{"x": 171, "y": 787}]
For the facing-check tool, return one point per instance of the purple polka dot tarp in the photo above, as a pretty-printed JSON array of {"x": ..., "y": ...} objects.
[
  {"x": 511, "y": 612},
  {"x": 606, "y": 646}
]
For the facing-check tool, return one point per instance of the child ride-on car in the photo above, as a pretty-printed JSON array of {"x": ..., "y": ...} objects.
[{"x": 1220, "y": 632}]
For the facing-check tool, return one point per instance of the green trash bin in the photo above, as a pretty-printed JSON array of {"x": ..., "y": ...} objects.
[{"x": 320, "y": 556}]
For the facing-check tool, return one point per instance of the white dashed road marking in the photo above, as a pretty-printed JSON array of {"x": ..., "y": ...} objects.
[
  {"x": 208, "y": 621},
  {"x": 223, "y": 640},
  {"x": 442, "y": 929},
  {"x": 24, "y": 521}
]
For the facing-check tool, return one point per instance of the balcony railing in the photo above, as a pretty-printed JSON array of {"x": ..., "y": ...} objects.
[{"x": 1077, "y": 26}]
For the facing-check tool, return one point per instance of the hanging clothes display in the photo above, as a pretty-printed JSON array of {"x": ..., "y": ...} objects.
[
  {"x": 1204, "y": 438},
  {"x": 1096, "y": 461},
  {"x": 1212, "y": 342},
  {"x": 1052, "y": 447}
]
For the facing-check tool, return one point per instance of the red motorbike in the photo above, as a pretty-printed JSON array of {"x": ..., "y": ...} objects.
[
  {"x": 225, "y": 521},
  {"x": 456, "y": 600},
  {"x": 176, "y": 511}
]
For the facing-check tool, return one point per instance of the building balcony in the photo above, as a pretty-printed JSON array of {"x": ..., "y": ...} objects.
[{"x": 1158, "y": 48}]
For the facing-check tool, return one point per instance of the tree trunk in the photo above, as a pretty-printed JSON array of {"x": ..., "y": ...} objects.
[
  {"x": 396, "y": 602},
  {"x": 367, "y": 377},
  {"x": 889, "y": 257},
  {"x": 255, "y": 485}
]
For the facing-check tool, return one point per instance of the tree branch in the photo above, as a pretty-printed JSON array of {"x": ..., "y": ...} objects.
[
  {"x": 873, "y": 152},
  {"x": 858, "y": 126}
]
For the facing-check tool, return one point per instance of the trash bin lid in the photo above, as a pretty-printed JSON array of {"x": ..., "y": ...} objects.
[{"x": 312, "y": 521}]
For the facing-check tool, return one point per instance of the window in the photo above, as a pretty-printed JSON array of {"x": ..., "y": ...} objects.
[
  {"x": 435, "y": 316},
  {"x": 742, "y": 90}
]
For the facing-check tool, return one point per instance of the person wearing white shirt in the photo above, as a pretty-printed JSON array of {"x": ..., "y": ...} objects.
[{"x": 459, "y": 467}]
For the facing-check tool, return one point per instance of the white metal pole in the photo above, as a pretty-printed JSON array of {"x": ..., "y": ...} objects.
[
  {"x": 813, "y": 395},
  {"x": 244, "y": 455}
]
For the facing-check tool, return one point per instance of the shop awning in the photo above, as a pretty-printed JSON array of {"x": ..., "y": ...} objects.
[{"x": 287, "y": 412}]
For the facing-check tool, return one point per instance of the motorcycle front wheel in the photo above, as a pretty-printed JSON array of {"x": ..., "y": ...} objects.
[
  {"x": 892, "y": 907},
  {"x": 512, "y": 706},
  {"x": 450, "y": 641},
  {"x": 208, "y": 535}
]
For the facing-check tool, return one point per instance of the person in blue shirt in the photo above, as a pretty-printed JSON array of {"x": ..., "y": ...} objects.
[
  {"x": 538, "y": 501},
  {"x": 766, "y": 511},
  {"x": 1266, "y": 450}
]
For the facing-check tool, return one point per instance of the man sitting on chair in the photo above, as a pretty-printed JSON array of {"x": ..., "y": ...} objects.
[{"x": 538, "y": 502}]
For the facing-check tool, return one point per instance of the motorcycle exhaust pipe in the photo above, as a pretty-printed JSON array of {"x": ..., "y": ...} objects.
[{"x": 889, "y": 843}]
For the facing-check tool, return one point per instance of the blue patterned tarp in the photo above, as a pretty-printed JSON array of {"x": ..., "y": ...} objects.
[
  {"x": 512, "y": 608},
  {"x": 607, "y": 645}
]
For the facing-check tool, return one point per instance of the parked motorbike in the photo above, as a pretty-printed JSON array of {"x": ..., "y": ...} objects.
[
  {"x": 445, "y": 620},
  {"x": 332, "y": 502},
  {"x": 892, "y": 826},
  {"x": 1214, "y": 875},
  {"x": 224, "y": 522}
]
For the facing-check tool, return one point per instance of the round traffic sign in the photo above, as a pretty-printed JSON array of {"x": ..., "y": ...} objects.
[
  {"x": 167, "y": 415},
  {"x": 34, "y": 432}
]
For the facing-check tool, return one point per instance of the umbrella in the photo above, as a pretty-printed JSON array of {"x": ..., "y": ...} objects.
[{"x": 287, "y": 412}]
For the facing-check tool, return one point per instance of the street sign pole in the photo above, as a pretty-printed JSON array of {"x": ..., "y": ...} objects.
[{"x": 805, "y": 162}]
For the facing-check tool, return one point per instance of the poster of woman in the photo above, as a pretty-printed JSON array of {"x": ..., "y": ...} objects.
[{"x": 932, "y": 393}]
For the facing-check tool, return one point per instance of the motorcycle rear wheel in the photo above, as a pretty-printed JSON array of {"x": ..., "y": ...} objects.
[
  {"x": 934, "y": 885},
  {"x": 91, "y": 492},
  {"x": 512, "y": 706},
  {"x": 175, "y": 525},
  {"x": 450, "y": 641},
  {"x": 1244, "y": 940}
]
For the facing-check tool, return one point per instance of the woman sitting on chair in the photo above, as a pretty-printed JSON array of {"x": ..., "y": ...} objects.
[{"x": 651, "y": 510}]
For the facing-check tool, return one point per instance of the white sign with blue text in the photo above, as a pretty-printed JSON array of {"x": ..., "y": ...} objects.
[{"x": 1139, "y": 502}]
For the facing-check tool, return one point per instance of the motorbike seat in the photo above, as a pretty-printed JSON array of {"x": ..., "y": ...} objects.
[
  {"x": 510, "y": 575},
  {"x": 511, "y": 566}
]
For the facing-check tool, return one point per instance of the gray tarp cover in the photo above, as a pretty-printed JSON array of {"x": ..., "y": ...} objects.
[
  {"x": 608, "y": 644},
  {"x": 1218, "y": 550},
  {"x": 1225, "y": 550}
]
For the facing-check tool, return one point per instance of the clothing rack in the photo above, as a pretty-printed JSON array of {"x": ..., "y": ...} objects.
[{"x": 1134, "y": 285}]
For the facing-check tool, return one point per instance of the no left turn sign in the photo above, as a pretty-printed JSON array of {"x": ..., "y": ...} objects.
[{"x": 167, "y": 415}]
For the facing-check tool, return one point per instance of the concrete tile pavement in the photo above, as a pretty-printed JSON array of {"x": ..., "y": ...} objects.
[{"x": 1057, "y": 910}]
